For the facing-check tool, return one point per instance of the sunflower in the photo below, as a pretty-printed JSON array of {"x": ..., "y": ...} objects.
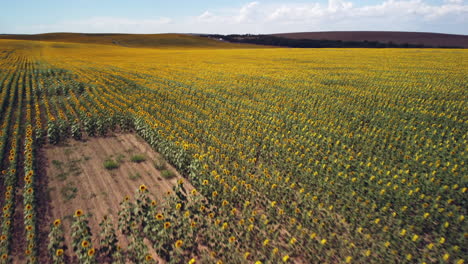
[
  {"x": 85, "y": 244},
  {"x": 292, "y": 241},
  {"x": 57, "y": 222},
  {"x": 178, "y": 243},
  {"x": 153, "y": 203},
  {"x": 91, "y": 252},
  {"x": 232, "y": 239},
  {"x": 167, "y": 225},
  {"x": 29, "y": 227},
  {"x": 194, "y": 192},
  {"x": 4, "y": 256},
  {"x": 143, "y": 188},
  {"x": 178, "y": 206},
  {"x": 78, "y": 213},
  {"x": 159, "y": 216},
  {"x": 148, "y": 258}
]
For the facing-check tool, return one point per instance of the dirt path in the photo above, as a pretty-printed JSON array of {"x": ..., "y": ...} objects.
[{"x": 77, "y": 178}]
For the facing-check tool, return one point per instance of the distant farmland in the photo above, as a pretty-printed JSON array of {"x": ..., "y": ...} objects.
[
  {"x": 132, "y": 40},
  {"x": 415, "y": 38}
]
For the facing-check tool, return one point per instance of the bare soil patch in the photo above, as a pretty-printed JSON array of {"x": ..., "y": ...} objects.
[{"x": 78, "y": 177}]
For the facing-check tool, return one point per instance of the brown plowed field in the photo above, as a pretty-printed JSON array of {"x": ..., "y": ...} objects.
[
  {"x": 78, "y": 179},
  {"x": 429, "y": 39}
]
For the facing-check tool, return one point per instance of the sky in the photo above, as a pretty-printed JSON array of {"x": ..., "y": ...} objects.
[{"x": 232, "y": 16}]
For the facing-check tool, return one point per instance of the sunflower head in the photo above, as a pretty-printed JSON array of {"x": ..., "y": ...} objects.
[
  {"x": 78, "y": 213},
  {"x": 159, "y": 216},
  {"x": 84, "y": 244},
  {"x": 59, "y": 252},
  {"x": 143, "y": 188},
  {"x": 178, "y": 243},
  {"x": 167, "y": 225},
  {"x": 91, "y": 252},
  {"x": 57, "y": 222}
]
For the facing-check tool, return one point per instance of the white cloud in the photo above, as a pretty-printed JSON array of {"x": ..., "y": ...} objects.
[
  {"x": 248, "y": 13},
  {"x": 451, "y": 16},
  {"x": 103, "y": 24}
]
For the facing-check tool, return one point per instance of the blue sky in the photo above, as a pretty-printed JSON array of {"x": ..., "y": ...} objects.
[{"x": 210, "y": 16}]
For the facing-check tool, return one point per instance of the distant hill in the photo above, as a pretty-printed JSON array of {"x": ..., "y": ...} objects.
[
  {"x": 400, "y": 38},
  {"x": 132, "y": 40}
]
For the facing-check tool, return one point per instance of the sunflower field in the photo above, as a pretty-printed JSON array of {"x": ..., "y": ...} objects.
[{"x": 296, "y": 155}]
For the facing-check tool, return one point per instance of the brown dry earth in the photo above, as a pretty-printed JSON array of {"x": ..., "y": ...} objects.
[
  {"x": 77, "y": 169},
  {"x": 430, "y": 39}
]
